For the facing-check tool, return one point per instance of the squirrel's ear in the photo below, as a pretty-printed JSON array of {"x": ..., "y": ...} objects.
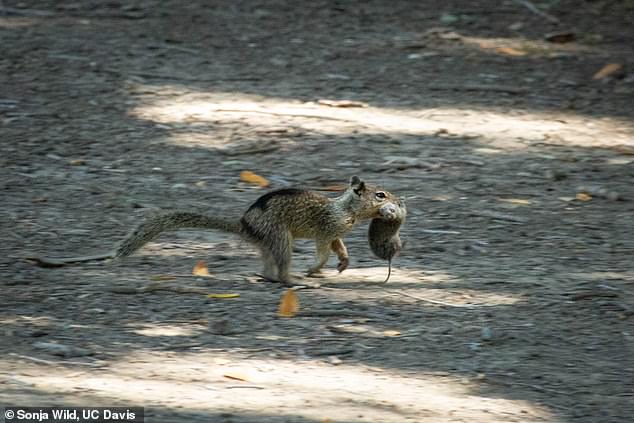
[{"x": 357, "y": 185}]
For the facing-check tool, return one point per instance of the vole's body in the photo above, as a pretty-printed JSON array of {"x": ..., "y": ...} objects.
[
  {"x": 383, "y": 234},
  {"x": 272, "y": 222}
]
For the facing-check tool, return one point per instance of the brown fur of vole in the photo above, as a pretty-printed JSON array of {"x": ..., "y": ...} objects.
[{"x": 383, "y": 233}]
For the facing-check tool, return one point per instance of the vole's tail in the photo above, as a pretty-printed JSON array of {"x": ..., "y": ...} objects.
[{"x": 146, "y": 232}]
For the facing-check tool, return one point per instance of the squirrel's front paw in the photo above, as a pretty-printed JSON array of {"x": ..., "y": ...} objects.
[{"x": 343, "y": 264}]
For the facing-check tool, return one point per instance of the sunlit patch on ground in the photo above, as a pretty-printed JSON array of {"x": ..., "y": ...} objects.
[
  {"x": 165, "y": 330},
  {"x": 210, "y": 382},
  {"x": 499, "y": 129}
]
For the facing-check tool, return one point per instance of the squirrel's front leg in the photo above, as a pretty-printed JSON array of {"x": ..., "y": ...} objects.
[
  {"x": 342, "y": 253},
  {"x": 323, "y": 252}
]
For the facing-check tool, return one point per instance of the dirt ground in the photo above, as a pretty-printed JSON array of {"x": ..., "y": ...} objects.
[{"x": 512, "y": 302}]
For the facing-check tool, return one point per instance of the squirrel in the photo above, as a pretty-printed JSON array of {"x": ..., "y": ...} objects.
[
  {"x": 383, "y": 233},
  {"x": 271, "y": 223}
]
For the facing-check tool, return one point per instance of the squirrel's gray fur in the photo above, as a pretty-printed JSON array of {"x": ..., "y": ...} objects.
[{"x": 272, "y": 222}]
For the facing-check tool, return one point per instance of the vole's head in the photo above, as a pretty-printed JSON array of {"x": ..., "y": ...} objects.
[
  {"x": 370, "y": 201},
  {"x": 394, "y": 210}
]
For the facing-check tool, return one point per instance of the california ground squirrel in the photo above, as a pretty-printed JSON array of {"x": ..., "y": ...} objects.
[
  {"x": 272, "y": 222},
  {"x": 383, "y": 233}
]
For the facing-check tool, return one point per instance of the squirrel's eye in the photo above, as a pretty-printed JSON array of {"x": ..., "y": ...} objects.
[{"x": 380, "y": 195}]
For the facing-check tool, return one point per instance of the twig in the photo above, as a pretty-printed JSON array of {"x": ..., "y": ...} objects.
[
  {"x": 530, "y": 6},
  {"x": 439, "y": 231},
  {"x": 158, "y": 287},
  {"x": 329, "y": 313},
  {"x": 428, "y": 300},
  {"x": 582, "y": 295},
  {"x": 480, "y": 87},
  {"x": 4, "y": 10},
  {"x": 152, "y": 75},
  {"x": 244, "y": 386},
  {"x": 54, "y": 363},
  {"x": 499, "y": 216},
  {"x": 537, "y": 388},
  {"x": 254, "y": 150},
  {"x": 340, "y": 351},
  {"x": 266, "y": 112}
]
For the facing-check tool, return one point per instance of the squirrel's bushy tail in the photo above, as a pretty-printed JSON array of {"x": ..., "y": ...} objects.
[
  {"x": 154, "y": 226},
  {"x": 146, "y": 232}
]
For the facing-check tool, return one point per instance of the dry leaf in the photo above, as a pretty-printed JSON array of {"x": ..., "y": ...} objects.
[
  {"x": 341, "y": 103},
  {"x": 560, "y": 37},
  {"x": 200, "y": 269},
  {"x": 327, "y": 421},
  {"x": 77, "y": 162},
  {"x": 582, "y": 196},
  {"x": 223, "y": 295},
  {"x": 608, "y": 70},
  {"x": 253, "y": 178},
  {"x": 236, "y": 376},
  {"x": 289, "y": 305},
  {"x": 510, "y": 51},
  {"x": 391, "y": 333}
]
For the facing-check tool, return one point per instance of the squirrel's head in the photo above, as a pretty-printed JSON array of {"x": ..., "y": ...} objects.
[{"x": 370, "y": 201}]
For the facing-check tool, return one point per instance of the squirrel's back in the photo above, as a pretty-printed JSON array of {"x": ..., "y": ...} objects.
[{"x": 305, "y": 214}]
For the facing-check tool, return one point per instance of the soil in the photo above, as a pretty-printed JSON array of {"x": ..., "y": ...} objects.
[{"x": 512, "y": 301}]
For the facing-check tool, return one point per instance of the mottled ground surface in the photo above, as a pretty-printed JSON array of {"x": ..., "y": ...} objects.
[{"x": 513, "y": 300}]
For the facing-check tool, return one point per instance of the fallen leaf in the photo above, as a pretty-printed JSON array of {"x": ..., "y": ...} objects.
[
  {"x": 341, "y": 103},
  {"x": 200, "y": 269},
  {"x": 582, "y": 196},
  {"x": 560, "y": 37},
  {"x": 510, "y": 51},
  {"x": 253, "y": 178},
  {"x": 236, "y": 376},
  {"x": 391, "y": 333},
  {"x": 608, "y": 70},
  {"x": 289, "y": 305},
  {"x": 223, "y": 295},
  {"x": 77, "y": 162}
]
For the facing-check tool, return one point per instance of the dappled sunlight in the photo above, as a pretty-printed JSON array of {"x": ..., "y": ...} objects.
[
  {"x": 213, "y": 382},
  {"x": 605, "y": 277},
  {"x": 499, "y": 129},
  {"x": 423, "y": 285},
  {"x": 165, "y": 330}
]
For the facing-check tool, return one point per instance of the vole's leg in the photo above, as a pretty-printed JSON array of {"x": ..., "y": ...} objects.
[
  {"x": 342, "y": 253},
  {"x": 323, "y": 252}
]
